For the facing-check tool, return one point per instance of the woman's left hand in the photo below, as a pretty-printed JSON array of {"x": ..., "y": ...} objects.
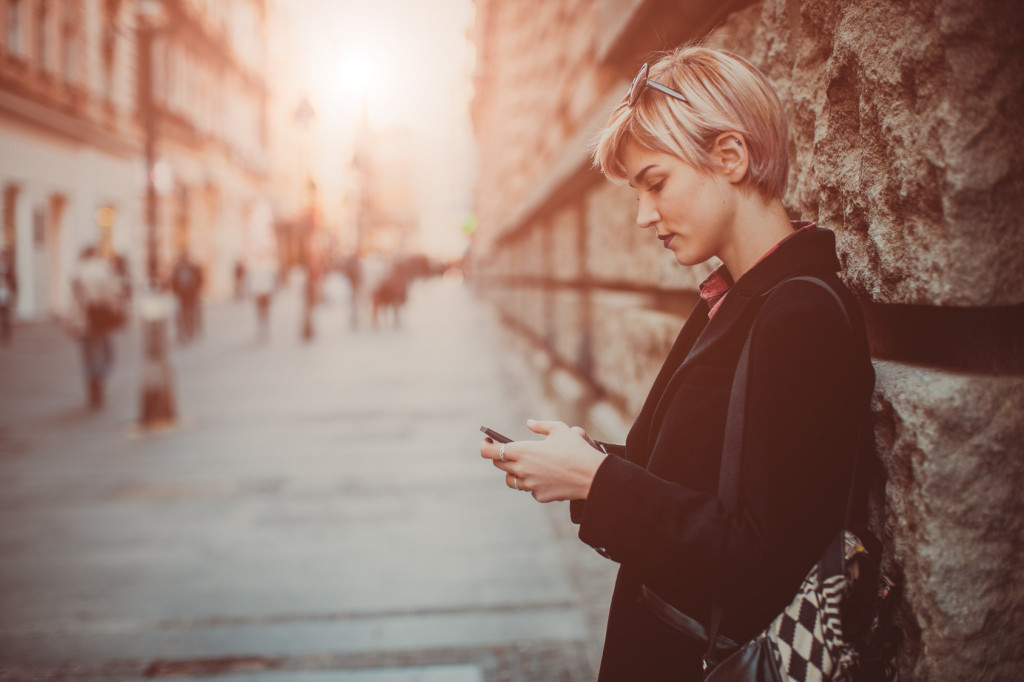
[{"x": 559, "y": 467}]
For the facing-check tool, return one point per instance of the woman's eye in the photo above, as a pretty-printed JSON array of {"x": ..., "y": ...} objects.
[{"x": 657, "y": 187}]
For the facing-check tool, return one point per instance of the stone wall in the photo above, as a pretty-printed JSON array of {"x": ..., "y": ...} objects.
[{"x": 904, "y": 141}]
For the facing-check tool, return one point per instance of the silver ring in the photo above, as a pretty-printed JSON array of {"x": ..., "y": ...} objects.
[
  {"x": 501, "y": 453},
  {"x": 515, "y": 482}
]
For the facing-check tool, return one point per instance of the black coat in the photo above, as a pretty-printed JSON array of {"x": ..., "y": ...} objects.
[{"x": 653, "y": 506}]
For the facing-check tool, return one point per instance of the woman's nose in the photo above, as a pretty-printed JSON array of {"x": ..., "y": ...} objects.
[{"x": 646, "y": 213}]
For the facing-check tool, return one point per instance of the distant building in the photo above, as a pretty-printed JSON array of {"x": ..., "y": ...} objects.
[
  {"x": 388, "y": 213},
  {"x": 72, "y": 135}
]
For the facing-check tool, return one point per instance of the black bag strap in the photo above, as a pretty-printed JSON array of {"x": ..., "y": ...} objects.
[{"x": 732, "y": 447}]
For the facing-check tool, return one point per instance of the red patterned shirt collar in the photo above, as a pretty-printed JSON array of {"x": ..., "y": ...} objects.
[{"x": 714, "y": 288}]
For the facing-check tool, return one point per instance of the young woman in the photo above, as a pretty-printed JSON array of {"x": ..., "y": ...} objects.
[{"x": 702, "y": 138}]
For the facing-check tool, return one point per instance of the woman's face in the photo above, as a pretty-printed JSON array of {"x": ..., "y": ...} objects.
[{"x": 692, "y": 212}]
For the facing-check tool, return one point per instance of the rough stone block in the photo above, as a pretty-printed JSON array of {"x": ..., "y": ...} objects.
[
  {"x": 581, "y": 94},
  {"x": 567, "y": 388},
  {"x": 953, "y": 448},
  {"x": 630, "y": 342},
  {"x": 904, "y": 120},
  {"x": 530, "y": 310},
  {"x": 529, "y": 254},
  {"x": 568, "y": 334},
  {"x": 564, "y": 239}
]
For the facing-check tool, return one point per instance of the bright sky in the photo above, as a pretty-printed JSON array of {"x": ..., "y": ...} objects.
[
  {"x": 410, "y": 63},
  {"x": 410, "y": 59}
]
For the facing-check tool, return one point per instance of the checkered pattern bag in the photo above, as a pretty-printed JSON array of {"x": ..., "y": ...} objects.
[
  {"x": 807, "y": 638},
  {"x": 805, "y": 643}
]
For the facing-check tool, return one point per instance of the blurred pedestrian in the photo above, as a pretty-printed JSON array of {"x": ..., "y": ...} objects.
[
  {"x": 8, "y": 294},
  {"x": 121, "y": 269},
  {"x": 239, "y": 280},
  {"x": 187, "y": 284},
  {"x": 98, "y": 309},
  {"x": 310, "y": 298},
  {"x": 391, "y": 292},
  {"x": 352, "y": 267},
  {"x": 701, "y": 137},
  {"x": 262, "y": 282}
]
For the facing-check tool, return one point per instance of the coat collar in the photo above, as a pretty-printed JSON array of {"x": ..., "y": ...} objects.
[
  {"x": 812, "y": 252},
  {"x": 809, "y": 253}
]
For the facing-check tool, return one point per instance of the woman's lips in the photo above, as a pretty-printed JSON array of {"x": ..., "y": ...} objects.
[{"x": 666, "y": 239}]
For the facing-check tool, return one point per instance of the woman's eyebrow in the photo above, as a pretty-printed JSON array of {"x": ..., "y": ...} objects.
[{"x": 640, "y": 176}]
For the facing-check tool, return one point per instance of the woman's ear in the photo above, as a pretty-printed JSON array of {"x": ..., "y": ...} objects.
[{"x": 730, "y": 153}]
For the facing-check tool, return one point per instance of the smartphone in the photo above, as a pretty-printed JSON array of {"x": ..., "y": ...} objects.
[{"x": 495, "y": 436}]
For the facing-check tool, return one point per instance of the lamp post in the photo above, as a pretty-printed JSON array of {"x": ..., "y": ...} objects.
[
  {"x": 307, "y": 226},
  {"x": 156, "y": 395}
]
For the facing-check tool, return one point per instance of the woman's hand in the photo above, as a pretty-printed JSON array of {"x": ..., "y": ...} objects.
[{"x": 559, "y": 467}]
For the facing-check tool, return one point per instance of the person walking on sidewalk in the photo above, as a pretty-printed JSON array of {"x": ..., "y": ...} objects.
[
  {"x": 702, "y": 138},
  {"x": 262, "y": 282},
  {"x": 352, "y": 268},
  {"x": 187, "y": 283},
  {"x": 239, "y": 280},
  {"x": 98, "y": 310},
  {"x": 8, "y": 294}
]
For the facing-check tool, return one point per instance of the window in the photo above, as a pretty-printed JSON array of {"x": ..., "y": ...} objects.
[
  {"x": 111, "y": 10},
  {"x": 42, "y": 29},
  {"x": 10, "y": 203},
  {"x": 16, "y": 28},
  {"x": 71, "y": 38}
]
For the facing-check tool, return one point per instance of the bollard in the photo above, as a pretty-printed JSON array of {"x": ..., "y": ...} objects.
[{"x": 156, "y": 405}]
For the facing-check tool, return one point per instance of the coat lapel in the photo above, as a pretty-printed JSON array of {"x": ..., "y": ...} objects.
[
  {"x": 637, "y": 439},
  {"x": 735, "y": 311},
  {"x": 813, "y": 252}
]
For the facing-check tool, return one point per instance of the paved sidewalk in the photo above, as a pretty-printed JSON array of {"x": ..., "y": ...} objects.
[{"x": 320, "y": 512}]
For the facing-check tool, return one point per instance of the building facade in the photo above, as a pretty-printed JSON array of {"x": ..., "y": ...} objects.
[
  {"x": 209, "y": 90},
  {"x": 72, "y": 135},
  {"x": 903, "y": 136},
  {"x": 69, "y": 141}
]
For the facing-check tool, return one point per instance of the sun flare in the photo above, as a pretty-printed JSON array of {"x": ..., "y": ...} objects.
[{"x": 358, "y": 72}]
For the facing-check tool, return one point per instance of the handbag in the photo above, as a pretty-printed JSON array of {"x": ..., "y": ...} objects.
[{"x": 806, "y": 642}]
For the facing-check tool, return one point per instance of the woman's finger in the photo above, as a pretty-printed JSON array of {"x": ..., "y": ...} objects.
[
  {"x": 583, "y": 433},
  {"x": 544, "y": 428},
  {"x": 497, "y": 453},
  {"x": 504, "y": 466},
  {"x": 490, "y": 450},
  {"x": 512, "y": 481}
]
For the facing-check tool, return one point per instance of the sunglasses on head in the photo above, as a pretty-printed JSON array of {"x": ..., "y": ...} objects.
[{"x": 641, "y": 83}]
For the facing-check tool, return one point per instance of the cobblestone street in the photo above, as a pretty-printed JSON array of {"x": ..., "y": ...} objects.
[{"x": 319, "y": 512}]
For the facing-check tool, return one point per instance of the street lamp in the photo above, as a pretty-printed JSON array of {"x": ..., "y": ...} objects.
[{"x": 156, "y": 395}]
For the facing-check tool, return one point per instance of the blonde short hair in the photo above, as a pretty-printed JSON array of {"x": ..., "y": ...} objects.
[{"x": 724, "y": 93}]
